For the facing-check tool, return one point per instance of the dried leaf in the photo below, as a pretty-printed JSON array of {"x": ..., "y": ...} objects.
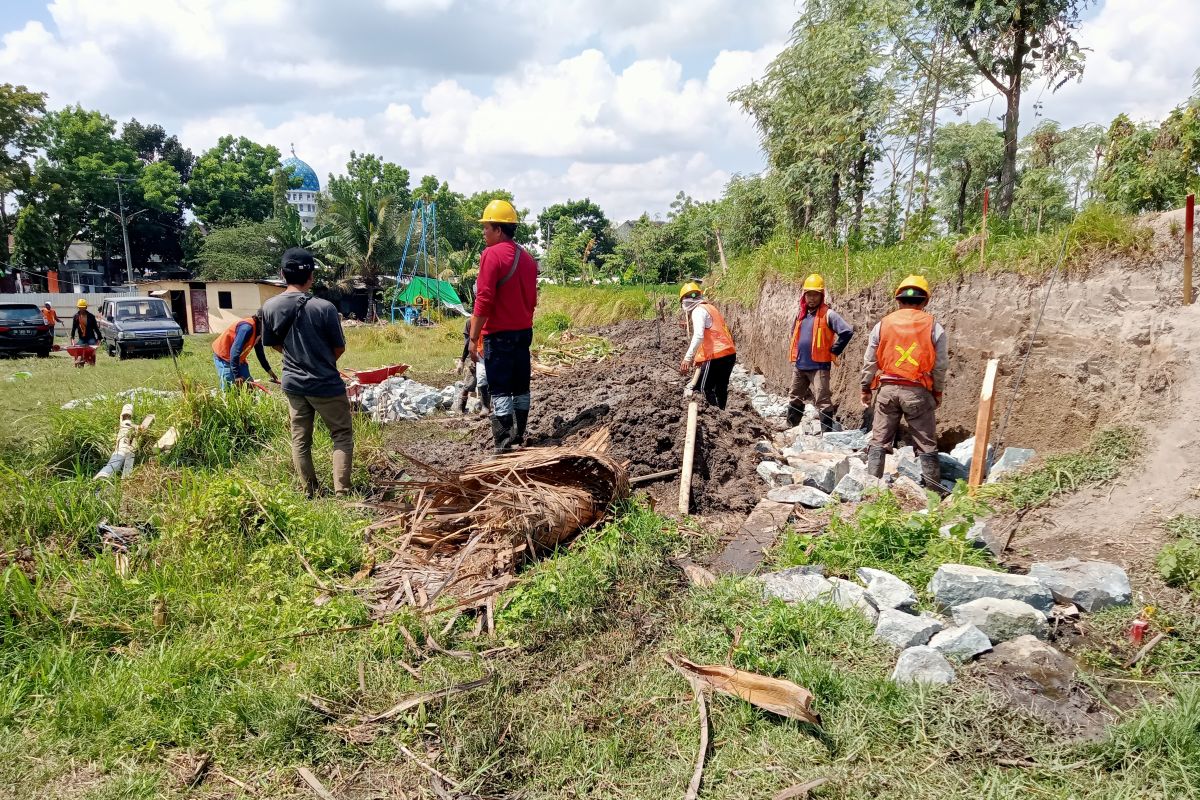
[{"x": 772, "y": 694}]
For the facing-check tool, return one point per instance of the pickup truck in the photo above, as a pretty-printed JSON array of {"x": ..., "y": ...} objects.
[{"x": 135, "y": 325}]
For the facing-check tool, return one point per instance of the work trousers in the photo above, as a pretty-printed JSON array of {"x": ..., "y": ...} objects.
[
  {"x": 714, "y": 379},
  {"x": 508, "y": 370},
  {"x": 811, "y": 384},
  {"x": 918, "y": 408},
  {"x": 228, "y": 373},
  {"x": 335, "y": 413}
]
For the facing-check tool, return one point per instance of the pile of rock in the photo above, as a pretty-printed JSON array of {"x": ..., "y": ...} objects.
[
  {"x": 977, "y": 608},
  {"x": 400, "y": 398},
  {"x": 136, "y": 393},
  {"x": 769, "y": 406}
]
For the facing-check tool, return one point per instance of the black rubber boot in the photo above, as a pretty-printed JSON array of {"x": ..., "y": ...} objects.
[
  {"x": 503, "y": 432},
  {"x": 462, "y": 402},
  {"x": 794, "y": 415},
  {"x": 485, "y": 397},
  {"x": 522, "y": 416},
  {"x": 931, "y": 473},
  {"x": 875, "y": 458},
  {"x": 826, "y": 422}
]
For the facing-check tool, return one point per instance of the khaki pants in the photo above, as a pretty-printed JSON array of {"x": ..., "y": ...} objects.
[
  {"x": 916, "y": 405},
  {"x": 335, "y": 413},
  {"x": 812, "y": 383}
]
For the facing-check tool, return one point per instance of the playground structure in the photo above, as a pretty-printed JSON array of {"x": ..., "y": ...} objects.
[{"x": 420, "y": 297}]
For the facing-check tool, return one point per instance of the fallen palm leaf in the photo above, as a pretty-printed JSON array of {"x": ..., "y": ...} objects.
[
  {"x": 772, "y": 694},
  {"x": 569, "y": 348}
]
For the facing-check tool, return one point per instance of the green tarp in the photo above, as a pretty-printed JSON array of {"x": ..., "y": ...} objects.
[{"x": 433, "y": 290}]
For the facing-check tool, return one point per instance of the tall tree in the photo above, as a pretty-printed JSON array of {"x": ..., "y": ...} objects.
[
  {"x": 368, "y": 172},
  {"x": 365, "y": 227},
  {"x": 1010, "y": 42},
  {"x": 246, "y": 252},
  {"x": 583, "y": 214},
  {"x": 968, "y": 158},
  {"x": 472, "y": 209},
  {"x": 21, "y": 135},
  {"x": 231, "y": 182},
  {"x": 160, "y": 230}
]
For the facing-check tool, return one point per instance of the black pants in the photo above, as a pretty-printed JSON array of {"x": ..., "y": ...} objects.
[
  {"x": 714, "y": 379},
  {"x": 506, "y": 361}
]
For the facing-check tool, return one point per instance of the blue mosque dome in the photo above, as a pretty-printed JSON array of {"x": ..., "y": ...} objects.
[{"x": 308, "y": 178}]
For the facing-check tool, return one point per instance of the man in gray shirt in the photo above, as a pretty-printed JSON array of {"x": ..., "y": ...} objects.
[{"x": 308, "y": 332}]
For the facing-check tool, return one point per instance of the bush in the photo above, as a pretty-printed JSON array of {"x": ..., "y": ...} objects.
[
  {"x": 1179, "y": 561},
  {"x": 552, "y": 322},
  {"x": 215, "y": 430}
]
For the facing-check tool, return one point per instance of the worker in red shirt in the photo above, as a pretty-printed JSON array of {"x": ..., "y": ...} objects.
[{"x": 505, "y": 297}]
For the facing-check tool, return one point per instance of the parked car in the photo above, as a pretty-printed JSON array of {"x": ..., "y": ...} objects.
[
  {"x": 133, "y": 325},
  {"x": 24, "y": 330}
]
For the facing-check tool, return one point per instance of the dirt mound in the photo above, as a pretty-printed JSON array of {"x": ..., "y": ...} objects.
[{"x": 638, "y": 394}]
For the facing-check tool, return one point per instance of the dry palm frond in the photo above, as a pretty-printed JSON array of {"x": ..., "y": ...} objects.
[
  {"x": 460, "y": 537},
  {"x": 567, "y": 348}
]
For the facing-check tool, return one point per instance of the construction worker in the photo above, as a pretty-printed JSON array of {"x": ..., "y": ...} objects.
[
  {"x": 819, "y": 336},
  {"x": 505, "y": 298},
  {"x": 50, "y": 315},
  {"x": 906, "y": 360},
  {"x": 84, "y": 330},
  {"x": 307, "y": 331},
  {"x": 232, "y": 348},
  {"x": 711, "y": 347}
]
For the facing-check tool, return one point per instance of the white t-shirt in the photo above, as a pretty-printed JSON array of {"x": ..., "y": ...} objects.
[{"x": 701, "y": 321}]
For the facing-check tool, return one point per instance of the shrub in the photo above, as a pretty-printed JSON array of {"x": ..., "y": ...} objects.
[{"x": 1179, "y": 561}]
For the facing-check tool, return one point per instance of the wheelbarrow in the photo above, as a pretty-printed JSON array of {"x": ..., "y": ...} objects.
[
  {"x": 358, "y": 378},
  {"x": 83, "y": 354}
]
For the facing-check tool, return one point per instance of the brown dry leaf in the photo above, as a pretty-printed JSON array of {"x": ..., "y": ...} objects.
[
  {"x": 772, "y": 694},
  {"x": 696, "y": 574}
]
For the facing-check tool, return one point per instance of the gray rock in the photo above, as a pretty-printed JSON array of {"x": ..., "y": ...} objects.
[
  {"x": 851, "y": 488},
  {"x": 847, "y": 440},
  {"x": 955, "y": 584},
  {"x": 886, "y": 590},
  {"x": 902, "y": 630},
  {"x": 774, "y": 473},
  {"x": 764, "y": 447},
  {"x": 1012, "y": 458},
  {"x": 811, "y": 427},
  {"x": 1002, "y": 620},
  {"x": 952, "y": 470},
  {"x": 980, "y": 534},
  {"x": 909, "y": 468},
  {"x": 796, "y": 586},
  {"x": 811, "y": 474},
  {"x": 1091, "y": 585},
  {"x": 963, "y": 642},
  {"x": 847, "y": 594},
  {"x": 806, "y": 496},
  {"x": 923, "y": 665},
  {"x": 1032, "y": 661},
  {"x": 964, "y": 452}
]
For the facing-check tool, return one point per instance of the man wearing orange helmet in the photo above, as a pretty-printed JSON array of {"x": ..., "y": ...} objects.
[
  {"x": 819, "y": 335},
  {"x": 906, "y": 360},
  {"x": 505, "y": 298}
]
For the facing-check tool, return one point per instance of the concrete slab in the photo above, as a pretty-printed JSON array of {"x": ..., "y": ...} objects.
[{"x": 758, "y": 532}]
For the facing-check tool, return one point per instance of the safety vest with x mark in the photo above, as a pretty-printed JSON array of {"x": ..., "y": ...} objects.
[
  {"x": 906, "y": 355},
  {"x": 905, "y": 352}
]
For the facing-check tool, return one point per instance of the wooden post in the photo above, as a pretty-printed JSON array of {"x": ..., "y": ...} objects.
[
  {"x": 721, "y": 251},
  {"x": 1189, "y": 224},
  {"x": 983, "y": 231},
  {"x": 689, "y": 453},
  {"x": 846, "y": 288},
  {"x": 983, "y": 424}
]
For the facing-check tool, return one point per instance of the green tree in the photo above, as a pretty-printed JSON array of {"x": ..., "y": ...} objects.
[
  {"x": 250, "y": 251},
  {"x": 452, "y": 224},
  {"x": 748, "y": 213},
  {"x": 231, "y": 183},
  {"x": 1148, "y": 168},
  {"x": 968, "y": 158},
  {"x": 584, "y": 214},
  {"x": 1010, "y": 42},
  {"x": 364, "y": 230},
  {"x": 472, "y": 209},
  {"x": 21, "y": 134}
]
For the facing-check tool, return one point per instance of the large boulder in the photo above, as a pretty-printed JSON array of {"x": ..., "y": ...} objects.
[
  {"x": 809, "y": 473},
  {"x": 902, "y": 630},
  {"x": 852, "y": 487},
  {"x": 796, "y": 585},
  {"x": 775, "y": 474},
  {"x": 1001, "y": 620},
  {"x": 963, "y": 642},
  {"x": 847, "y": 441},
  {"x": 847, "y": 594},
  {"x": 886, "y": 590},
  {"x": 1012, "y": 459},
  {"x": 1091, "y": 585},
  {"x": 955, "y": 584},
  {"x": 1033, "y": 660},
  {"x": 952, "y": 470},
  {"x": 807, "y": 496},
  {"x": 923, "y": 665}
]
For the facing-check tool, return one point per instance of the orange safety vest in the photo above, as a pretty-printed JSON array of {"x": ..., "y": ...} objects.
[
  {"x": 224, "y": 342},
  {"x": 822, "y": 337},
  {"x": 906, "y": 353},
  {"x": 50, "y": 316},
  {"x": 718, "y": 342}
]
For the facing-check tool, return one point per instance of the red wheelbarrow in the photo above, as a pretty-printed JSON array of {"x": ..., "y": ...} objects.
[
  {"x": 82, "y": 353},
  {"x": 358, "y": 378}
]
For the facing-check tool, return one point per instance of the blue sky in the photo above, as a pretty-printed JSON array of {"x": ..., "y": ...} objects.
[{"x": 622, "y": 100}]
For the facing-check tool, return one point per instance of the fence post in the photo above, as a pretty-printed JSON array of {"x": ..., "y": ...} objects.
[{"x": 1189, "y": 224}]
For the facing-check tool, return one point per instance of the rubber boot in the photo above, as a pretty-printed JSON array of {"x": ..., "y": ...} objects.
[
  {"x": 826, "y": 422},
  {"x": 522, "y": 416},
  {"x": 485, "y": 397},
  {"x": 875, "y": 457},
  {"x": 462, "y": 401},
  {"x": 503, "y": 432},
  {"x": 931, "y": 474},
  {"x": 794, "y": 415}
]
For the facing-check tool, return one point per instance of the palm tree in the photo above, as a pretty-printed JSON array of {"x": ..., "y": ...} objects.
[{"x": 362, "y": 230}]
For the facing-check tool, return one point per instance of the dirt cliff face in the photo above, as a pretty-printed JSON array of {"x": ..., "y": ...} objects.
[{"x": 1104, "y": 353}]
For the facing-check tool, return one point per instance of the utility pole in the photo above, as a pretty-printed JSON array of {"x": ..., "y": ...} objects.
[{"x": 119, "y": 179}]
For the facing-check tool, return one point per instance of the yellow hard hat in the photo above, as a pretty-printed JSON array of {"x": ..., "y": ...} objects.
[
  {"x": 814, "y": 283},
  {"x": 81, "y": 304},
  {"x": 691, "y": 287},
  {"x": 499, "y": 211},
  {"x": 913, "y": 286}
]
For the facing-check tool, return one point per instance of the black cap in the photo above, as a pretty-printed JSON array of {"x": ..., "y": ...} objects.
[{"x": 297, "y": 259}]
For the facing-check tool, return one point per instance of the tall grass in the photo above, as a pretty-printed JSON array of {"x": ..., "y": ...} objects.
[{"x": 591, "y": 306}]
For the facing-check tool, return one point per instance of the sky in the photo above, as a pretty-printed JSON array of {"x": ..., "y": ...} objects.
[{"x": 623, "y": 101}]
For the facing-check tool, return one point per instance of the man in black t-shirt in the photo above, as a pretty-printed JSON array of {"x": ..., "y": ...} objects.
[{"x": 308, "y": 332}]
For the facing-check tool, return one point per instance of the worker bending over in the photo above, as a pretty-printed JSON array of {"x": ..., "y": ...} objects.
[
  {"x": 711, "y": 348},
  {"x": 906, "y": 360},
  {"x": 505, "y": 298},
  {"x": 232, "y": 349},
  {"x": 819, "y": 336}
]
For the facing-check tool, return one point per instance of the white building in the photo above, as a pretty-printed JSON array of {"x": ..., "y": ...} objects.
[{"x": 304, "y": 197}]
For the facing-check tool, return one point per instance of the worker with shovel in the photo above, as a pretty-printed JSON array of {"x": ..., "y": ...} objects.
[
  {"x": 906, "y": 360},
  {"x": 711, "y": 347},
  {"x": 505, "y": 298},
  {"x": 819, "y": 336}
]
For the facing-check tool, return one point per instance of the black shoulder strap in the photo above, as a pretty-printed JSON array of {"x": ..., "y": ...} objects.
[
  {"x": 513, "y": 269},
  {"x": 281, "y": 333}
]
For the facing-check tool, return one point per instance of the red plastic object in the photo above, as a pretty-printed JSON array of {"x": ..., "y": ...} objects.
[
  {"x": 1138, "y": 629},
  {"x": 378, "y": 375}
]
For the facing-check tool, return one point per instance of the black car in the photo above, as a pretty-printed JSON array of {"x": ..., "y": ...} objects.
[
  {"x": 134, "y": 325},
  {"x": 24, "y": 330}
]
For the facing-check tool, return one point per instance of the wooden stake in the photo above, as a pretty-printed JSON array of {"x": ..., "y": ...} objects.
[
  {"x": 689, "y": 453},
  {"x": 983, "y": 232},
  {"x": 983, "y": 423},
  {"x": 1189, "y": 224},
  {"x": 654, "y": 476},
  {"x": 721, "y": 251},
  {"x": 846, "y": 288}
]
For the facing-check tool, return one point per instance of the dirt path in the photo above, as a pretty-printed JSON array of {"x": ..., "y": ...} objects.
[{"x": 1123, "y": 522}]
